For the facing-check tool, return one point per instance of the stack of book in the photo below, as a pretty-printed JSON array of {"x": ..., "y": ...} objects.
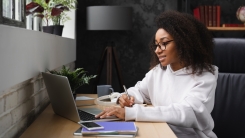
[
  {"x": 113, "y": 129},
  {"x": 233, "y": 25},
  {"x": 208, "y": 15}
]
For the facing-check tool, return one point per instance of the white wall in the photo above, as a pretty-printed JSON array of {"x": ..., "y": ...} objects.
[
  {"x": 25, "y": 53},
  {"x": 70, "y": 25}
]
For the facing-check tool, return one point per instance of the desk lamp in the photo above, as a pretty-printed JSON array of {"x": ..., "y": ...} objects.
[{"x": 109, "y": 18}]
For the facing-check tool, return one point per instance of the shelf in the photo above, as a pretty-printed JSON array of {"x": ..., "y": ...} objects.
[{"x": 226, "y": 28}]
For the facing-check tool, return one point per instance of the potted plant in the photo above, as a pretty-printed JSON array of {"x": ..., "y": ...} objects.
[
  {"x": 41, "y": 9},
  {"x": 59, "y": 15},
  {"x": 51, "y": 10},
  {"x": 76, "y": 78}
]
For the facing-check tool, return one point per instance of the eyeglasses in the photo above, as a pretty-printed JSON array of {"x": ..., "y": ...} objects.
[{"x": 161, "y": 45}]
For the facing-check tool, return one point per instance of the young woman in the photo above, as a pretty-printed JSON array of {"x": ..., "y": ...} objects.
[{"x": 181, "y": 83}]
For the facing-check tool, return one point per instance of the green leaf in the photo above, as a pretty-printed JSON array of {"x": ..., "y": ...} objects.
[{"x": 76, "y": 78}]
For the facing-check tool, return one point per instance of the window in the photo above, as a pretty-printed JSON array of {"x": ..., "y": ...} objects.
[{"x": 12, "y": 12}]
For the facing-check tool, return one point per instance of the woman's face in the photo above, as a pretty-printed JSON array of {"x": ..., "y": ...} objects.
[{"x": 167, "y": 54}]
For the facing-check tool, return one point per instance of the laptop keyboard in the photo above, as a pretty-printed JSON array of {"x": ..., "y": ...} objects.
[{"x": 85, "y": 116}]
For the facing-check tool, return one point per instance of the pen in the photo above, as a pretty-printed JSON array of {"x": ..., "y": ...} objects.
[{"x": 126, "y": 91}]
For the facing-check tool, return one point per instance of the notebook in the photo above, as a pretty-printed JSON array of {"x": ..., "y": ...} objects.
[
  {"x": 113, "y": 128},
  {"x": 63, "y": 103}
]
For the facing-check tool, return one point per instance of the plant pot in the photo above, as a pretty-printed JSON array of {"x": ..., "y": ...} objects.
[
  {"x": 58, "y": 29},
  {"x": 48, "y": 29}
]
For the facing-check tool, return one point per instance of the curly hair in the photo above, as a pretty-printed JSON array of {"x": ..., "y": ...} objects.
[{"x": 194, "y": 43}]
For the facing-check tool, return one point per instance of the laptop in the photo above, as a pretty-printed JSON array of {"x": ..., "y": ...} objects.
[{"x": 63, "y": 103}]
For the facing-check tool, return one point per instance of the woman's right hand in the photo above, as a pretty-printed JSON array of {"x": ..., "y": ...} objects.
[{"x": 125, "y": 101}]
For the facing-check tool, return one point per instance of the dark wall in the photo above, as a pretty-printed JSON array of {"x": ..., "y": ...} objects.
[{"x": 132, "y": 46}]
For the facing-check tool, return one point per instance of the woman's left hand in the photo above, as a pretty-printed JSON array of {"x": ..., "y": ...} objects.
[{"x": 110, "y": 111}]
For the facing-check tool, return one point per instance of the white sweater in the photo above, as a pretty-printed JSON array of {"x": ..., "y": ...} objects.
[{"x": 181, "y": 99}]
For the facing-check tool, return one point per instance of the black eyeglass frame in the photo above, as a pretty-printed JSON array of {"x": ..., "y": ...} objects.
[{"x": 161, "y": 45}]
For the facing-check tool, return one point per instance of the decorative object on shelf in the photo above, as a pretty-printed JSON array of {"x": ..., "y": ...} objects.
[
  {"x": 240, "y": 14},
  {"x": 76, "y": 78},
  {"x": 51, "y": 10},
  {"x": 109, "y": 18}
]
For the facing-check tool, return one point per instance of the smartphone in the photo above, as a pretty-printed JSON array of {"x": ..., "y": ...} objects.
[
  {"x": 78, "y": 132},
  {"x": 91, "y": 125}
]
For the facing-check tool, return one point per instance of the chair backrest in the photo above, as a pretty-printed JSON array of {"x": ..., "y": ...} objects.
[{"x": 229, "y": 108}]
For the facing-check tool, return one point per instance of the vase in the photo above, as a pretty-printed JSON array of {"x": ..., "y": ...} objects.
[
  {"x": 48, "y": 29},
  {"x": 58, "y": 29},
  {"x": 37, "y": 23},
  {"x": 29, "y": 22}
]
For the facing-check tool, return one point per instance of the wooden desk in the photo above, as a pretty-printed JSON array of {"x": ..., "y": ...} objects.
[{"x": 50, "y": 125}]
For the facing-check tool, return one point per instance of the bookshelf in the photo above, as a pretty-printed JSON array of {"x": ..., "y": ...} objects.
[{"x": 226, "y": 28}]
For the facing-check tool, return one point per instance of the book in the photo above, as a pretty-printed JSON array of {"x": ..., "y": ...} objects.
[
  {"x": 206, "y": 14},
  {"x": 210, "y": 15},
  {"x": 202, "y": 14},
  {"x": 214, "y": 16},
  {"x": 218, "y": 15},
  {"x": 233, "y": 25},
  {"x": 196, "y": 13},
  {"x": 115, "y": 136},
  {"x": 126, "y": 129}
]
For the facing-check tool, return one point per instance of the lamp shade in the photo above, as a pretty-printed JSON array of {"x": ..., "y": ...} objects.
[{"x": 109, "y": 18}]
